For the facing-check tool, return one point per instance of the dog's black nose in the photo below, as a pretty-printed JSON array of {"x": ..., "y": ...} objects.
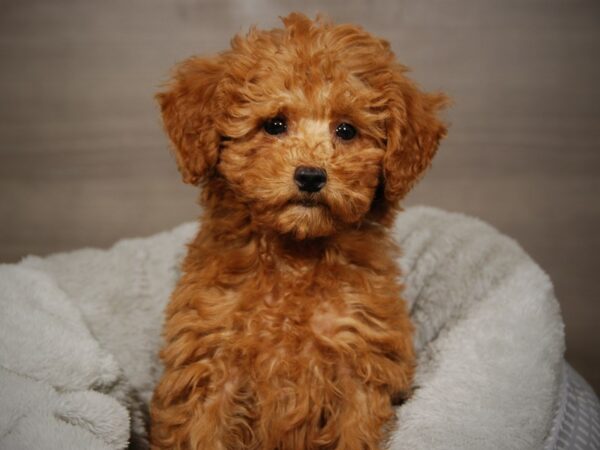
[{"x": 310, "y": 179}]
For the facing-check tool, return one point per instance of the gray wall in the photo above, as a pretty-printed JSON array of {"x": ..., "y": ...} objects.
[{"x": 83, "y": 160}]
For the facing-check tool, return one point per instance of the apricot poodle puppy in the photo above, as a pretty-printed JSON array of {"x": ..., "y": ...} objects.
[{"x": 287, "y": 329}]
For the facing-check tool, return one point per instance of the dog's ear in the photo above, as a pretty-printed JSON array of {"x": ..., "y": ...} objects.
[
  {"x": 188, "y": 112},
  {"x": 413, "y": 133}
]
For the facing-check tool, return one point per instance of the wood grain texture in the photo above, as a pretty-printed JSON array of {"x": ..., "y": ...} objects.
[{"x": 84, "y": 162}]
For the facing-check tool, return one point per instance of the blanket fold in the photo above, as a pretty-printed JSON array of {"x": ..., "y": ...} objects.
[{"x": 58, "y": 386}]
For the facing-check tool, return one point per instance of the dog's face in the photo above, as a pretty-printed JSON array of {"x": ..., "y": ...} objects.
[{"x": 313, "y": 127}]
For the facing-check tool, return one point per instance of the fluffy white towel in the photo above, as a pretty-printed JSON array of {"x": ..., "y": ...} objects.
[{"x": 80, "y": 331}]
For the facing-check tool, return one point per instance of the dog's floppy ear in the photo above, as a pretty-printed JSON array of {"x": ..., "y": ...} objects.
[
  {"x": 188, "y": 112},
  {"x": 413, "y": 132}
]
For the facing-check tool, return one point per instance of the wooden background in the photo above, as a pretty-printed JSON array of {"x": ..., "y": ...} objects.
[{"x": 83, "y": 160}]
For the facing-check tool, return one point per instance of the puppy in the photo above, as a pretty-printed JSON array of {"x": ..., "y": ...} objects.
[{"x": 287, "y": 330}]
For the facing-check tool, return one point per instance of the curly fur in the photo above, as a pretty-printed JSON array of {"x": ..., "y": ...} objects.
[{"x": 287, "y": 330}]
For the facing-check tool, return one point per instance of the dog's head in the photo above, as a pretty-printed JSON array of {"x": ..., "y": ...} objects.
[{"x": 314, "y": 126}]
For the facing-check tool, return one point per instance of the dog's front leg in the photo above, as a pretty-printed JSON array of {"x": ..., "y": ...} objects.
[{"x": 200, "y": 407}]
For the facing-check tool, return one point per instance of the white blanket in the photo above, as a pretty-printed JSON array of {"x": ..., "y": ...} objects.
[{"x": 79, "y": 334}]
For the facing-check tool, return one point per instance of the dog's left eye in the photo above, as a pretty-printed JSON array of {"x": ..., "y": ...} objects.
[{"x": 345, "y": 131}]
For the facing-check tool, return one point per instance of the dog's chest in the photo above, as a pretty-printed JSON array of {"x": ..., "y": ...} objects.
[
  {"x": 284, "y": 306},
  {"x": 302, "y": 311}
]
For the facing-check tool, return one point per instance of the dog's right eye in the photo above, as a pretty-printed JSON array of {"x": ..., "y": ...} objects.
[{"x": 275, "y": 125}]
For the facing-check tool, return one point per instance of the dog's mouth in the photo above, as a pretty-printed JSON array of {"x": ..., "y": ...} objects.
[{"x": 308, "y": 202}]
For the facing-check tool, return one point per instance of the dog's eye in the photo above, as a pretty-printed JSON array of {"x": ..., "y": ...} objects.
[
  {"x": 345, "y": 131},
  {"x": 275, "y": 125}
]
